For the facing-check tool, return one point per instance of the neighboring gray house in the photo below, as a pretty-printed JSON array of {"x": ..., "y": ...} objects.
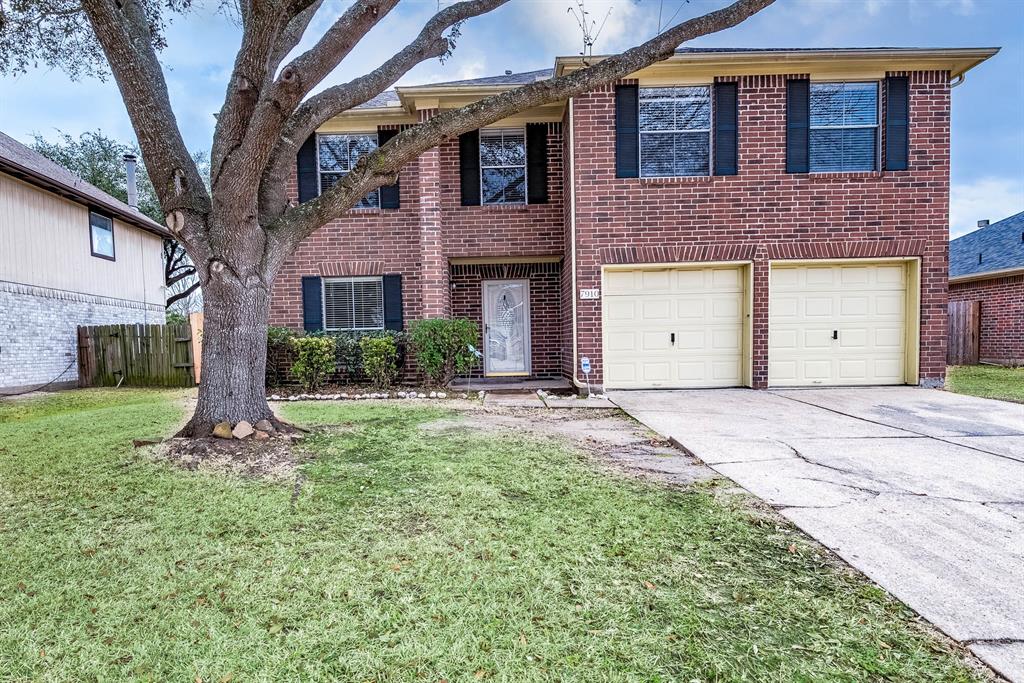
[
  {"x": 987, "y": 266},
  {"x": 70, "y": 254}
]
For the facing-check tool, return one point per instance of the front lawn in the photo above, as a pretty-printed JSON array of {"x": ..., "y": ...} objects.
[
  {"x": 987, "y": 381},
  {"x": 407, "y": 554}
]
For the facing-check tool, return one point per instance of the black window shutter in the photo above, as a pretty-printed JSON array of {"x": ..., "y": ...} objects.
[
  {"x": 388, "y": 193},
  {"x": 393, "y": 302},
  {"x": 537, "y": 163},
  {"x": 312, "y": 304},
  {"x": 308, "y": 168},
  {"x": 469, "y": 167},
  {"x": 897, "y": 123},
  {"x": 627, "y": 131},
  {"x": 798, "y": 125},
  {"x": 726, "y": 128}
]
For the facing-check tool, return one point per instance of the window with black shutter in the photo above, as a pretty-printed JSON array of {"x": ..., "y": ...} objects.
[
  {"x": 675, "y": 131},
  {"x": 353, "y": 303},
  {"x": 843, "y": 127},
  {"x": 337, "y": 154}
]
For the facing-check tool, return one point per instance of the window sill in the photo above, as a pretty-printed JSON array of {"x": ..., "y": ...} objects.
[
  {"x": 505, "y": 207},
  {"x": 834, "y": 175},
  {"x": 364, "y": 211},
  {"x": 675, "y": 180}
]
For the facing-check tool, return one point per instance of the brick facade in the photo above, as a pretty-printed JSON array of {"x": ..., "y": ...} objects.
[
  {"x": 1002, "y": 316},
  {"x": 761, "y": 214},
  {"x": 764, "y": 213}
]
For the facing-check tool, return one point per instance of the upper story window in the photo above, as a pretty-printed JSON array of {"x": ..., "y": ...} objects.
[
  {"x": 337, "y": 155},
  {"x": 101, "y": 235},
  {"x": 353, "y": 303},
  {"x": 675, "y": 131},
  {"x": 843, "y": 127},
  {"x": 503, "y": 166}
]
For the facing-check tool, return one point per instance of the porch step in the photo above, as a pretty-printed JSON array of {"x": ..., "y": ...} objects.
[{"x": 510, "y": 385}]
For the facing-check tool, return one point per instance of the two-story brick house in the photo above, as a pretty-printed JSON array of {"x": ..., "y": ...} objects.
[{"x": 722, "y": 218}]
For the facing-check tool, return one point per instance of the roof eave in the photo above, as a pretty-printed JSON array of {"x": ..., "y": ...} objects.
[
  {"x": 69, "y": 192},
  {"x": 989, "y": 275},
  {"x": 957, "y": 60}
]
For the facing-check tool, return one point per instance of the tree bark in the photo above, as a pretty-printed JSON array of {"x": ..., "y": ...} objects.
[{"x": 232, "y": 388}]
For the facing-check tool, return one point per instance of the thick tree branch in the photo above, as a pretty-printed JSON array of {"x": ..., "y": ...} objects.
[
  {"x": 293, "y": 32},
  {"x": 124, "y": 33},
  {"x": 429, "y": 43},
  {"x": 381, "y": 166}
]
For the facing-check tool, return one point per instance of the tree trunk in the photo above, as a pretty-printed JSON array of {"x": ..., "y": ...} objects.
[{"x": 232, "y": 388}]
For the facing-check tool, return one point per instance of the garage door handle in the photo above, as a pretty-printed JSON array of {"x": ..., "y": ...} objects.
[
  {"x": 672, "y": 337},
  {"x": 835, "y": 334}
]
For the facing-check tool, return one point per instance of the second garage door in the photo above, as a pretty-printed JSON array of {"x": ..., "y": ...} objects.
[
  {"x": 837, "y": 324},
  {"x": 674, "y": 327}
]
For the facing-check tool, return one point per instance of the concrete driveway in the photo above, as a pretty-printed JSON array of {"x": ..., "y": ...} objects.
[{"x": 920, "y": 489}]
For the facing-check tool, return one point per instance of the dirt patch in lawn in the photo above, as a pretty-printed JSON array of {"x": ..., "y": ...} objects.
[
  {"x": 612, "y": 440},
  {"x": 275, "y": 459}
]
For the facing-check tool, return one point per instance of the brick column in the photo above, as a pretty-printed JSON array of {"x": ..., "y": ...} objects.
[{"x": 433, "y": 264}]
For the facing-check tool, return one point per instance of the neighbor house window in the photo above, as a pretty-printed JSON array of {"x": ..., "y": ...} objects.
[
  {"x": 101, "y": 235},
  {"x": 675, "y": 131},
  {"x": 337, "y": 155},
  {"x": 503, "y": 166},
  {"x": 353, "y": 303},
  {"x": 844, "y": 127}
]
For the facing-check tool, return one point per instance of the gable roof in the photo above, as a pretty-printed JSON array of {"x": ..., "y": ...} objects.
[
  {"x": 1001, "y": 246},
  {"x": 29, "y": 165}
]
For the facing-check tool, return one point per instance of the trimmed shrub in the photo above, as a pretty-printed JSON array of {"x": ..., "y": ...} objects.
[
  {"x": 442, "y": 346},
  {"x": 380, "y": 360},
  {"x": 314, "y": 360}
]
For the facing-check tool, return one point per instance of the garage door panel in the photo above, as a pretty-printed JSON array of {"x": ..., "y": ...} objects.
[
  {"x": 703, "y": 308},
  {"x": 863, "y": 304}
]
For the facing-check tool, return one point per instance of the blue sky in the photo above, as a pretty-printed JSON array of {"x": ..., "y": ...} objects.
[{"x": 988, "y": 108}]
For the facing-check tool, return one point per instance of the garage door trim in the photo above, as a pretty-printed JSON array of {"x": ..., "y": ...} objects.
[
  {"x": 746, "y": 268},
  {"x": 912, "y": 315}
]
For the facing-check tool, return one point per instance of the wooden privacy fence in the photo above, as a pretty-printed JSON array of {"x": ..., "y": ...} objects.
[
  {"x": 135, "y": 355},
  {"x": 964, "y": 333}
]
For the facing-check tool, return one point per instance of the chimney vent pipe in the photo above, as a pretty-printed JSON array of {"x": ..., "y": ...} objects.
[{"x": 130, "y": 163}]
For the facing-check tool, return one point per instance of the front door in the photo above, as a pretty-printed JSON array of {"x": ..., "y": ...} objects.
[{"x": 506, "y": 327}]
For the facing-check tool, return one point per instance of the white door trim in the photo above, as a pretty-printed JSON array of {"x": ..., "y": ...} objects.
[{"x": 526, "y": 325}]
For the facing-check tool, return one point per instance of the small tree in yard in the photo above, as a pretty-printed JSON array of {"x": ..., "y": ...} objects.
[
  {"x": 241, "y": 230},
  {"x": 314, "y": 360},
  {"x": 380, "y": 360},
  {"x": 442, "y": 348}
]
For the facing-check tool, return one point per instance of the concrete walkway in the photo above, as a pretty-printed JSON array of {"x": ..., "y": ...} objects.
[{"x": 922, "y": 490}]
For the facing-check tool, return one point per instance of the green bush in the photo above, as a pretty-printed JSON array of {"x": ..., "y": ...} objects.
[
  {"x": 314, "y": 360},
  {"x": 175, "y": 318},
  {"x": 279, "y": 336},
  {"x": 442, "y": 345},
  {"x": 380, "y": 360}
]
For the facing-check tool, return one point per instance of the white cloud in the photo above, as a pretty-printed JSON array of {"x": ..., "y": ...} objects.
[
  {"x": 986, "y": 198},
  {"x": 618, "y": 24}
]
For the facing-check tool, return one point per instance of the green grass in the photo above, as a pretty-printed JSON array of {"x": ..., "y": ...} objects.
[
  {"x": 408, "y": 555},
  {"x": 987, "y": 381}
]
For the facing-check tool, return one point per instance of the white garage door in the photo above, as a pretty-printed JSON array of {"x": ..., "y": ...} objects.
[
  {"x": 837, "y": 324},
  {"x": 673, "y": 328}
]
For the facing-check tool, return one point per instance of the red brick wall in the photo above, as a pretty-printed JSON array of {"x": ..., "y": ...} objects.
[
  {"x": 1002, "y": 315},
  {"x": 764, "y": 213},
  {"x": 545, "y": 306},
  {"x": 375, "y": 242}
]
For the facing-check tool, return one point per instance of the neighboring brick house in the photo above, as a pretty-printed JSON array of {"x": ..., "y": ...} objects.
[
  {"x": 987, "y": 265},
  {"x": 722, "y": 218},
  {"x": 70, "y": 255}
]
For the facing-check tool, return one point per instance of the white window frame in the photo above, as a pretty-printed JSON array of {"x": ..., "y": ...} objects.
[
  {"x": 525, "y": 166},
  {"x": 323, "y": 303},
  {"x": 113, "y": 243},
  {"x": 709, "y": 131},
  {"x": 320, "y": 171},
  {"x": 877, "y": 126}
]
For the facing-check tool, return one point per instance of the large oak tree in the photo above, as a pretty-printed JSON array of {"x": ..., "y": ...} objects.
[{"x": 241, "y": 230}]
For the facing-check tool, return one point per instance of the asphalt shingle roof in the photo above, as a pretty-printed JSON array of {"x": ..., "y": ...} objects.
[
  {"x": 1000, "y": 244},
  {"x": 31, "y": 166}
]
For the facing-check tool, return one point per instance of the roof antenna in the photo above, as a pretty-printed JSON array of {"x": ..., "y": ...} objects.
[
  {"x": 591, "y": 31},
  {"x": 661, "y": 8}
]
